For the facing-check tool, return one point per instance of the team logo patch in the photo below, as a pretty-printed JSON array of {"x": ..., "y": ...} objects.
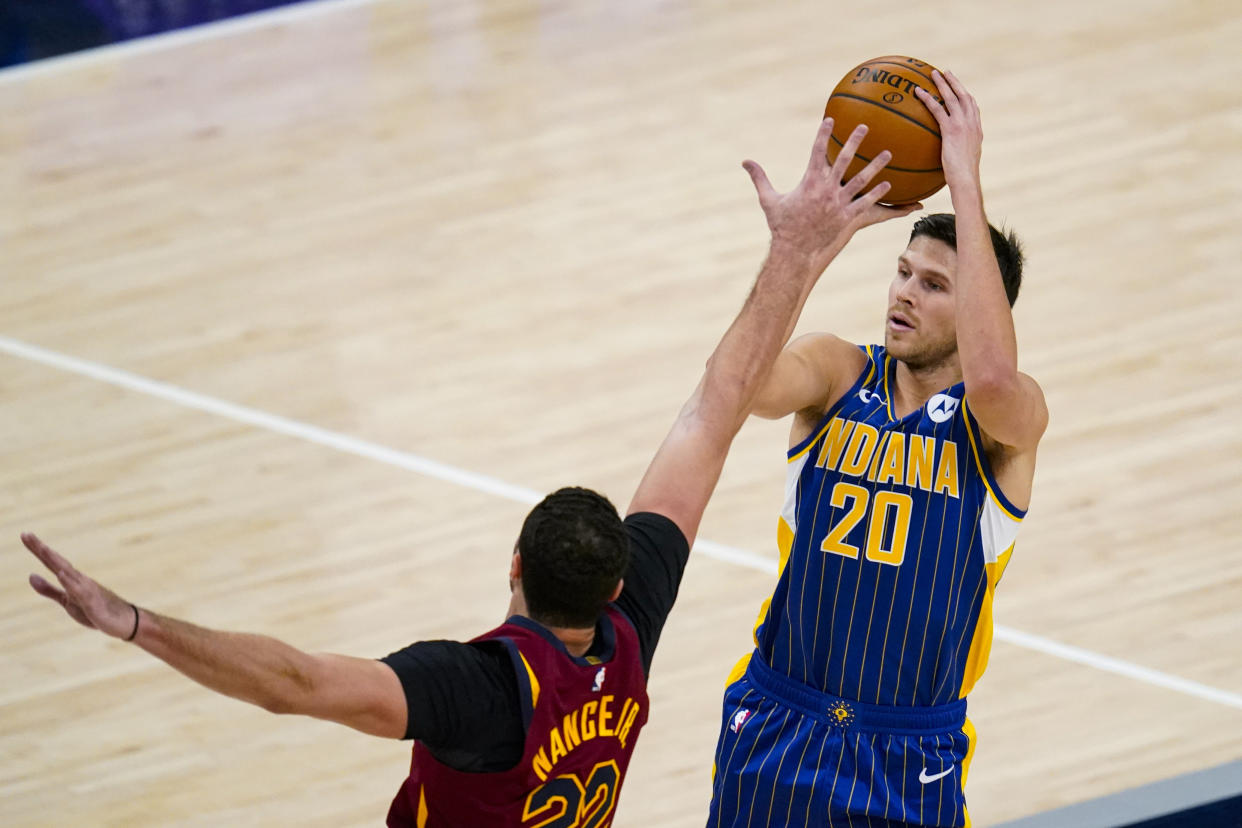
[
  {"x": 739, "y": 719},
  {"x": 941, "y": 407},
  {"x": 599, "y": 681},
  {"x": 841, "y": 714}
]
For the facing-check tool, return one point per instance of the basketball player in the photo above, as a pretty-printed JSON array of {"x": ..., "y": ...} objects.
[
  {"x": 910, "y": 470},
  {"x": 534, "y": 722}
]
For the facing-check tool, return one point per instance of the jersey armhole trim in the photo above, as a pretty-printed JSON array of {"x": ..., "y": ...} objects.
[
  {"x": 528, "y": 682},
  {"x": 985, "y": 470},
  {"x": 864, "y": 377},
  {"x": 625, "y": 616}
]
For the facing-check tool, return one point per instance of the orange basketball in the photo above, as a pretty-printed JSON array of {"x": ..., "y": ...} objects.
[{"x": 880, "y": 94}]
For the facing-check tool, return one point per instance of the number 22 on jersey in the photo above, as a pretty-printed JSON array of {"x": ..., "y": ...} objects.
[{"x": 564, "y": 802}]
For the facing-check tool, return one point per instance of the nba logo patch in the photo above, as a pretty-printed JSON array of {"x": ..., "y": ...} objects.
[
  {"x": 739, "y": 719},
  {"x": 599, "y": 681}
]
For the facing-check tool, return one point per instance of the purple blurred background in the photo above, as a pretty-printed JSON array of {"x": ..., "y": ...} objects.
[{"x": 36, "y": 29}]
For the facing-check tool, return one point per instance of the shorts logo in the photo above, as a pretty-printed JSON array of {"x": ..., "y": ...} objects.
[
  {"x": 841, "y": 714},
  {"x": 941, "y": 407},
  {"x": 739, "y": 719},
  {"x": 599, "y": 681},
  {"x": 926, "y": 777}
]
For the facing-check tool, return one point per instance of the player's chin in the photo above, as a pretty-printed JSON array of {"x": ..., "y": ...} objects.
[
  {"x": 899, "y": 347},
  {"x": 905, "y": 348}
]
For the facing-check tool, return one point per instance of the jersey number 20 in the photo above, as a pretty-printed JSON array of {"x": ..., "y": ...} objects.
[
  {"x": 895, "y": 503},
  {"x": 564, "y": 802}
]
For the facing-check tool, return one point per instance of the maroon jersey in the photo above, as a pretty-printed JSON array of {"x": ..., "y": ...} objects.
[{"x": 583, "y": 716}]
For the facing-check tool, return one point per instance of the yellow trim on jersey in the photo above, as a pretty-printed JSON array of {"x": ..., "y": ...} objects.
[
  {"x": 784, "y": 543},
  {"x": 1002, "y": 561},
  {"x": 739, "y": 669},
  {"x": 981, "y": 642},
  {"x": 534, "y": 682},
  {"x": 870, "y": 365},
  {"x": 974, "y": 449},
  {"x": 422, "y": 807},
  {"x": 828, "y": 425},
  {"x": 889, "y": 404},
  {"x": 816, "y": 439},
  {"x": 971, "y": 738}
]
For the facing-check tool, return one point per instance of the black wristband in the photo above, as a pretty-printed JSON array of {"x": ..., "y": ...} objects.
[{"x": 135, "y": 631}]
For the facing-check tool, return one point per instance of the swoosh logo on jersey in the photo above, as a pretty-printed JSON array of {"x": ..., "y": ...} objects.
[
  {"x": 925, "y": 778},
  {"x": 867, "y": 396}
]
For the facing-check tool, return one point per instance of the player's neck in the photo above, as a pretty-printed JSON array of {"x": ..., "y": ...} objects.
[
  {"x": 577, "y": 640},
  {"x": 915, "y": 386}
]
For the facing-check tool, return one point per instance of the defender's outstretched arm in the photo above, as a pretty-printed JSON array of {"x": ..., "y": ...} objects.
[
  {"x": 809, "y": 226},
  {"x": 360, "y": 693}
]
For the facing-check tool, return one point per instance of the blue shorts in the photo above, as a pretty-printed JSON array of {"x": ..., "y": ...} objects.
[{"x": 789, "y": 755}]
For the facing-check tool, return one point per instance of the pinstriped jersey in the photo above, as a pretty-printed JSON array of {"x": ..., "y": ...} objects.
[{"x": 892, "y": 536}]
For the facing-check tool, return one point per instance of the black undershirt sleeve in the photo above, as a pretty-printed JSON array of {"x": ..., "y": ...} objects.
[
  {"x": 658, "y": 555},
  {"x": 463, "y": 703}
]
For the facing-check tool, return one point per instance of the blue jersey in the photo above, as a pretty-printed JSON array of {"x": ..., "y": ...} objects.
[{"x": 892, "y": 538}]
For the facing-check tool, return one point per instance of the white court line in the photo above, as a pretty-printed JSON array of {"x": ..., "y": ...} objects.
[
  {"x": 271, "y": 422},
  {"x": 178, "y": 37},
  {"x": 499, "y": 488},
  {"x": 1116, "y": 665}
]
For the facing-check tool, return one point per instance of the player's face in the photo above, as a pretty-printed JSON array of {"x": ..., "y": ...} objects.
[{"x": 920, "y": 327}]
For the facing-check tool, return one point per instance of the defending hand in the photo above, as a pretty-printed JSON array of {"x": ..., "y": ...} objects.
[
  {"x": 824, "y": 211},
  {"x": 86, "y": 601}
]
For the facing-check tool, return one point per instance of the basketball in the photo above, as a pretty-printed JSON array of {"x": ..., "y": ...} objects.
[{"x": 880, "y": 94}]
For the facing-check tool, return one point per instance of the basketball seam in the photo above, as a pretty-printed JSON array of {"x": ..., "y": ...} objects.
[
  {"x": 929, "y": 78},
  {"x": 886, "y": 109},
  {"x": 861, "y": 157}
]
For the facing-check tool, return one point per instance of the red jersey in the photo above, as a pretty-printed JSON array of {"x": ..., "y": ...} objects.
[{"x": 583, "y": 718}]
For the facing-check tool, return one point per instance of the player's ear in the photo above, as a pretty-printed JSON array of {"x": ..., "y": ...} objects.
[
  {"x": 616, "y": 593},
  {"x": 515, "y": 566}
]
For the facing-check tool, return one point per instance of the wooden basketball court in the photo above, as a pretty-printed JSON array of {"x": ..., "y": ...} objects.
[{"x": 300, "y": 315}]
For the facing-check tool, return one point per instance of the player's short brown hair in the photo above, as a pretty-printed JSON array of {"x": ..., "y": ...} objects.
[
  {"x": 574, "y": 551},
  {"x": 1008, "y": 250}
]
